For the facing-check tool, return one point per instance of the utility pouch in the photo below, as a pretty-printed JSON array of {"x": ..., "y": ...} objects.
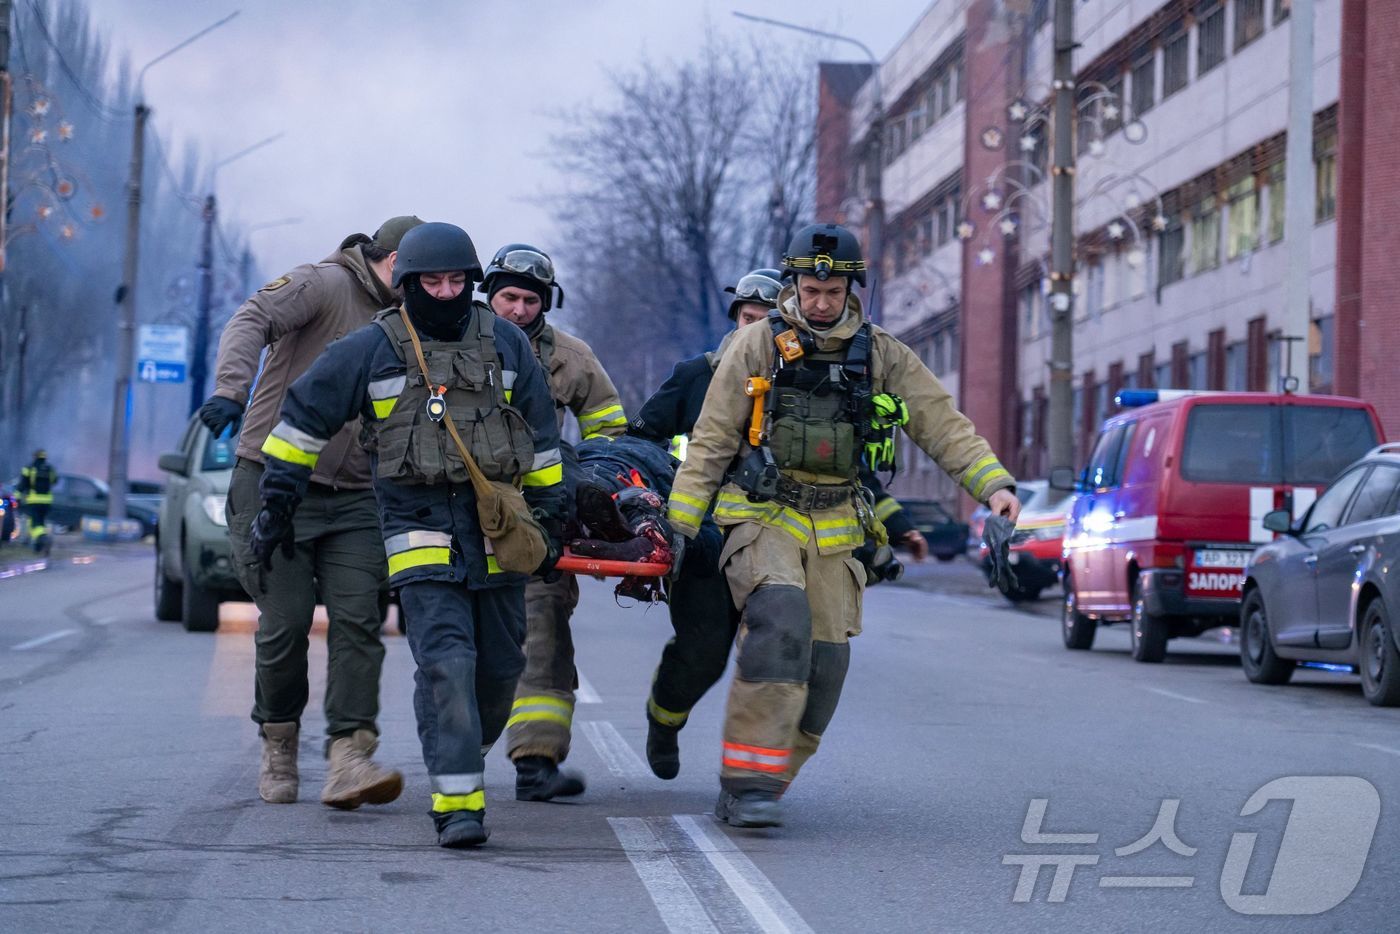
[{"x": 758, "y": 475}]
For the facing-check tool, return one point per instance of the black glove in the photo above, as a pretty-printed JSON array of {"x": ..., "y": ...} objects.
[
  {"x": 554, "y": 546},
  {"x": 220, "y": 413},
  {"x": 678, "y": 549},
  {"x": 997, "y": 532},
  {"x": 272, "y": 527}
]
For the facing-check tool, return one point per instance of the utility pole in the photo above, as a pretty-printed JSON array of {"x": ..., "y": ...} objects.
[
  {"x": 6, "y": 106},
  {"x": 199, "y": 356},
  {"x": 126, "y": 330},
  {"x": 1298, "y": 192},
  {"x": 1061, "y": 440}
]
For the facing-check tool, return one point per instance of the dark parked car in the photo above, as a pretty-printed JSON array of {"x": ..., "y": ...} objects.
[
  {"x": 76, "y": 496},
  {"x": 1326, "y": 593},
  {"x": 947, "y": 537}
]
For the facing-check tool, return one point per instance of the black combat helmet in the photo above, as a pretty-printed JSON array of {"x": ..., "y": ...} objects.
[
  {"x": 825, "y": 250},
  {"x": 761, "y": 287},
  {"x": 525, "y": 262},
  {"x": 436, "y": 248}
]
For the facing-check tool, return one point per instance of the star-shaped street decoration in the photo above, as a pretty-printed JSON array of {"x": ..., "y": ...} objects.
[
  {"x": 65, "y": 188},
  {"x": 965, "y": 231},
  {"x": 65, "y": 131},
  {"x": 1132, "y": 201},
  {"x": 1096, "y": 147},
  {"x": 1116, "y": 230},
  {"x": 1110, "y": 111},
  {"x": 67, "y": 232},
  {"x": 1159, "y": 223},
  {"x": 992, "y": 138},
  {"x": 45, "y": 212},
  {"x": 1017, "y": 111},
  {"x": 40, "y": 107},
  {"x": 1008, "y": 227},
  {"x": 1136, "y": 258},
  {"x": 991, "y": 201},
  {"x": 985, "y": 256},
  {"x": 1028, "y": 143},
  {"x": 38, "y": 136},
  {"x": 97, "y": 212}
]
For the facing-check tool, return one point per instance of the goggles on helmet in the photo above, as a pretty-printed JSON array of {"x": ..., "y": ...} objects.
[
  {"x": 757, "y": 288},
  {"x": 526, "y": 263}
]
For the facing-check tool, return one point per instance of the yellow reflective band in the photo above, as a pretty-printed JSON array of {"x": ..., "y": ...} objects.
[
  {"x": 545, "y": 476},
  {"x": 492, "y": 565},
  {"x": 418, "y": 557},
  {"x": 997, "y": 474},
  {"x": 509, "y": 393},
  {"x": 666, "y": 717},
  {"x": 684, "y": 505},
  {"x": 697, "y": 502},
  {"x": 886, "y": 507},
  {"x": 382, "y": 407},
  {"x": 975, "y": 473},
  {"x": 476, "y": 801},
  {"x": 541, "y": 709},
  {"x": 606, "y": 417},
  {"x": 284, "y": 451}
]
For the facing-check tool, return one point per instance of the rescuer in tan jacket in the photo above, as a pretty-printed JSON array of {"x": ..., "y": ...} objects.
[
  {"x": 521, "y": 288},
  {"x": 802, "y": 400}
]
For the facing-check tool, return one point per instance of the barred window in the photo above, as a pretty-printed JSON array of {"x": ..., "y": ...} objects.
[
  {"x": 1210, "y": 29},
  {"x": 1243, "y": 232},
  {"x": 1175, "y": 63},
  {"x": 1205, "y": 236},
  {"x": 1249, "y": 22},
  {"x": 1144, "y": 84}
]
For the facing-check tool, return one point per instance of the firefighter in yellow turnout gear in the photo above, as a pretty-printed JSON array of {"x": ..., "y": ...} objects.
[
  {"x": 520, "y": 285},
  {"x": 793, "y": 510},
  {"x": 36, "y": 483}
]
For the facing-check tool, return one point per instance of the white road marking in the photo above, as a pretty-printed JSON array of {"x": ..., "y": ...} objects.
[
  {"x": 1392, "y": 751},
  {"x": 17, "y": 569},
  {"x": 585, "y": 693},
  {"x": 673, "y": 897},
  {"x": 106, "y": 620},
  {"x": 43, "y": 640},
  {"x": 1175, "y": 696},
  {"x": 770, "y": 910},
  {"x": 613, "y": 750}
]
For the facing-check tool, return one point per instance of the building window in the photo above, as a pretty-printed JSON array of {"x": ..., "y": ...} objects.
[
  {"x": 1277, "y": 202},
  {"x": 1281, "y": 10},
  {"x": 1196, "y": 370},
  {"x": 1249, "y": 22},
  {"x": 1144, "y": 84},
  {"x": 1172, "y": 244},
  {"x": 937, "y": 366},
  {"x": 1320, "y": 352},
  {"x": 1210, "y": 39},
  {"x": 1093, "y": 301},
  {"x": 1205, "y": 236},
  {"x": 945, "y": 92},
  {"x": 1237, "y": 367},
  {"x": 1242, "y": 235},
  {"x": 1326, "y": 166},
  {"x": 957, "y": 80},
  {"x": 1162, "y": 376},
  {"x": 945, "y": 221},
  {"x": 1176, "y": 55}
]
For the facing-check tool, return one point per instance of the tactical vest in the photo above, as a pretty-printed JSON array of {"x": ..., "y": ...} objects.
[
  {"x": 414, "y": 449},
  {"x": 818, "y": 404}
]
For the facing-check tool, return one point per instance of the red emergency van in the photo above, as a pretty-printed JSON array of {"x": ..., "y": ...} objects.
[{"x": 1173, "y": 499}]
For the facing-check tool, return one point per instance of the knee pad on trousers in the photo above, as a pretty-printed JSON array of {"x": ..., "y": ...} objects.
[
  {"x": 829, "y": 663},
  {"x": 778, "y": 643}
]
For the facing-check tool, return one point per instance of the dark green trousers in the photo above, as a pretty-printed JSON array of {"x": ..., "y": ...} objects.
[{"x": 339, "y": 561}]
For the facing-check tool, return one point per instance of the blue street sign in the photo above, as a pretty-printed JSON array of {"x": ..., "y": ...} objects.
[
  {"x": 161, "y": 353},
  {"x": 151, "y": 371}
]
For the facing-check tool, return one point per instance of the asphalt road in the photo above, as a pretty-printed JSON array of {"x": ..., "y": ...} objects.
[{"x": 968, "y": 744}]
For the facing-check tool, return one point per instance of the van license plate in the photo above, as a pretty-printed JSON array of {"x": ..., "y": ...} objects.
[{"x": 1220, "y": 558}]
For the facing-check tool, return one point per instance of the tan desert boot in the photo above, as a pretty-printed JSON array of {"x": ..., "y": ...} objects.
[
  {"x": 277, "y": 783},
  {"x": 353, "y": 778}
]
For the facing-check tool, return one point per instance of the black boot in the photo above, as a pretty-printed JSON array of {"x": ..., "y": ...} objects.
[
  {"x": 749, "y": 809},
  {"x": 538, "y": 778},
  {"x": 663, "y": 750},
  {"x": 459, "y": 829}
]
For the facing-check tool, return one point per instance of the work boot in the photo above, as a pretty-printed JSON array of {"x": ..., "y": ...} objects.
[
  {"x": 278, "y": 780},
  {"x": 459, "y": 829},
  {"x": 538, "y": 778},
  {"x": 749, "y": 809},
  {"x": 354, "y": 779},
  {"x": 663, "y": 750}
]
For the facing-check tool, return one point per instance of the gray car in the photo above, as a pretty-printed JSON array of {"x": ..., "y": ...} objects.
[
  {"x": 1326, "y": 593},
  {"x": 194, "y": 566}
]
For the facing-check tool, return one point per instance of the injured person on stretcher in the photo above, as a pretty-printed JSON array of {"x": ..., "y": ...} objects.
[{"x": 619, "y": 489}]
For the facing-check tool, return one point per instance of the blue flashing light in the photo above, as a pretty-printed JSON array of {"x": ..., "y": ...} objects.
[
  {"x": 1136, "y": 398},
  {"x": 1328, "y": 666}
]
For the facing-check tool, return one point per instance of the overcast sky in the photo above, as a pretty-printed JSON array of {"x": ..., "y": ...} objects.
[{"x": 430, "y": 107}]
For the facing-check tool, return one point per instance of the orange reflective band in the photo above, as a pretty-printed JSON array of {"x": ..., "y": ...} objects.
[
  {"x": 758, "y": 750},
  {"x": 772, "y": 768},
  {"x": 755, "y": 758}
]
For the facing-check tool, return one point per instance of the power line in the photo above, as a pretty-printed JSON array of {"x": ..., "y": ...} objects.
[{"x": 102, "y": 110}]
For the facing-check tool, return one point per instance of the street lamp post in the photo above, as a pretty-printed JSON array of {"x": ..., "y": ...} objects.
[
  {"x": 875, "y": 214},
  {"x": 199, "y": 355},
  {"x": 120, "y": 451}
]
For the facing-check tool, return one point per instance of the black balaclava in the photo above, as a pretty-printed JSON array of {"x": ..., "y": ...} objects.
[
  {"x": 507, "y": 280},
  {"x": 439, "y": 319}
]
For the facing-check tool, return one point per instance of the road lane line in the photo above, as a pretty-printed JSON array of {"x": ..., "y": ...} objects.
[
  {"x": 772, "y": 912},
  {"x": 15, "y": 570},
  {"x": 585, "y": 693},
  {"x": 673, "y": 897},
  {"x": 1392, "y": 751},
  {"x": 613, "y": 750},
  {"x": 43, "y": 640},
  {"x": 1175, "y": 696}
]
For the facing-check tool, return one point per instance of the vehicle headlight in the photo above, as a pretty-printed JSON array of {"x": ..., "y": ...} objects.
[
  {"x": 1049, "y": 533},
  {"x": 214, "y": 508}
]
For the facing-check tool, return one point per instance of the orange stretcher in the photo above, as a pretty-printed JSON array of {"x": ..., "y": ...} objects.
[{"x": 599, "y": 567}]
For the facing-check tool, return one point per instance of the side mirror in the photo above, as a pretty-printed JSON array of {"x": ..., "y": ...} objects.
[
  {"x": 1065, "y": 479},
  {"x": 175, "y": 462},
  {"x": 1279, "y": 521}
]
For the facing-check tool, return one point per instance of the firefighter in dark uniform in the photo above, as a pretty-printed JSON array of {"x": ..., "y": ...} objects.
[
  {"x": 36, "y": 483},
  {"x": 702, "y": 614},
  {"x": 465, "y": 616}
]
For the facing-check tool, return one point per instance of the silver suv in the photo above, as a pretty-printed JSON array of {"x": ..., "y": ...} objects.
[{"x": 194, "y": 563}]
